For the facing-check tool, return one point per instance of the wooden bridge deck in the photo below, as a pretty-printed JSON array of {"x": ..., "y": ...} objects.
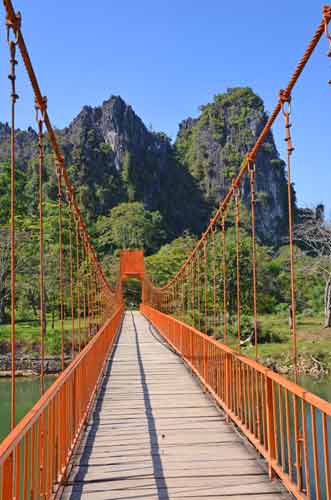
[{"x": 155, "y": 435}]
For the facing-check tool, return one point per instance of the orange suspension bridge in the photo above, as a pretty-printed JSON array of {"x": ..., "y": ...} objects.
[{"x": 150, "y": 404}]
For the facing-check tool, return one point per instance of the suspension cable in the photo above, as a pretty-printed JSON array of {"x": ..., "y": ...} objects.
[
  {"x": 225, "y": 298},
  {"x": 214, "y": 280},
  {"x": 237, "y": 223},
  {"x": 40, "y": 122},
  {"x": 326, "y": 19},
  {"x": 12, "y": 25},
  {"x": 286, "y": 109},
  {"x": 198, "y": 289},
  {"x": 252, "y": 196},
  {"x": 84, "y": 290},
  {"x": 205, "y": 286},
  {"x": 71, "y": 273},
  {"x": 193, "y": 291},
  {"x": 78, "y": 283},
  {"x": 59, "y": 169},
  {"x": 88, "y": 293}
]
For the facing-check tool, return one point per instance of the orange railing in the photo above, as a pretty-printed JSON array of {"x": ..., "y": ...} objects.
[
  {"x": 286, "y": 424},
  {"x": 35, "y": 455}
]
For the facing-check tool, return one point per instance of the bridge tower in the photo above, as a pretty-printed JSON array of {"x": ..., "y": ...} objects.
[{"x": 132, "y": 265}]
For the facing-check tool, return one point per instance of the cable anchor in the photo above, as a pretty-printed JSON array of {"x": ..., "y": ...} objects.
[
  {"x": 252, "y": 169},
  {"x": 286, "y": 109},
  {"x": 41, "y": 107},
  {"x": 12, "y": 75},
  {"x": 236, "y": 189},
  {"x": 14, "y": 24}
]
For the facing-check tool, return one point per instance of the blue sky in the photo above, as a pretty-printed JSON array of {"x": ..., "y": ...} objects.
[{"x": 167, "y": 58}]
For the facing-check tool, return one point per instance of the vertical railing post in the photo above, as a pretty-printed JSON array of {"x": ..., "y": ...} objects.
[
  {"x": 228, "y": 382},
  {"x": 181, "y": 339},
  {"x": 7, "y": 479},
  {"x": 204, "y": 360},
  {"x": 143, "y": 292},
  {"x": 270, "y": 424},
  {"x": 74, "y": 421}
]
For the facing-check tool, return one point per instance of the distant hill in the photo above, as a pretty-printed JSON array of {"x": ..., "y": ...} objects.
[{"x": 112, "y": 157}]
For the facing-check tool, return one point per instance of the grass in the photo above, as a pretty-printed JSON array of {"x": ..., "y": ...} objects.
[
  {"x": 313, "y": 341},
  {"x": 27, "y": 335}
]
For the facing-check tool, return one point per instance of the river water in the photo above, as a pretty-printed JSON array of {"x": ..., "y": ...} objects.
[
  {"x": 319, "y": 386},
  {"x": 27, "y": 394}
]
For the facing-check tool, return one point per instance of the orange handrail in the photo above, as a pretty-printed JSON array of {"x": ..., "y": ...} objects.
[
  {"x": 275, "y": 414},
  {"x": 46, "y": 437}
]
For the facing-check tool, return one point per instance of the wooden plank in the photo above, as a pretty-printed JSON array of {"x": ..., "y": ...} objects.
[{"x": 154, "y": 434}]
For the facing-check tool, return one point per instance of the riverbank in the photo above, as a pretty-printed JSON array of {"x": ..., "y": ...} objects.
[
  {"x": 28, "y": 365},
  {"x": 313, "y": 346},
  {"x": 306, "y": 365}
]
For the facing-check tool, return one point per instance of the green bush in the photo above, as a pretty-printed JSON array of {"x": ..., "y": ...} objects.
[{"x": 265, "y": 334}]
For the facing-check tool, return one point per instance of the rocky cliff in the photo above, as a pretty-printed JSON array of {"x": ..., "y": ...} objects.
[
  {"x": 112, "y": 157},
  {"x": 213, "y": 146}
]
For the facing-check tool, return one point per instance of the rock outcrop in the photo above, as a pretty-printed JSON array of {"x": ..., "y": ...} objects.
[{"x": 213, "y": 146}]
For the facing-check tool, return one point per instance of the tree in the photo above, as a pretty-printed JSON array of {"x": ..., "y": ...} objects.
[
  {"x": 163, "y": 265},
  {"x": 4, "y": 273},
  {"x": 22, "y": 200},
  {"x": 129, "y": 225},
  {"x": 128, "y": 176},
  {"x": 313, "y": 233},
  {"x": 22, "y": 237}
]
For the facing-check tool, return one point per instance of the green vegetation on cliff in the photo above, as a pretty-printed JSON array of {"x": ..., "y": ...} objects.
[{"x": 214, "y": 145}]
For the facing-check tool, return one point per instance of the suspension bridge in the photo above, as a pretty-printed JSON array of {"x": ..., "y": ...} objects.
[{"x": 151, "y": 405}]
